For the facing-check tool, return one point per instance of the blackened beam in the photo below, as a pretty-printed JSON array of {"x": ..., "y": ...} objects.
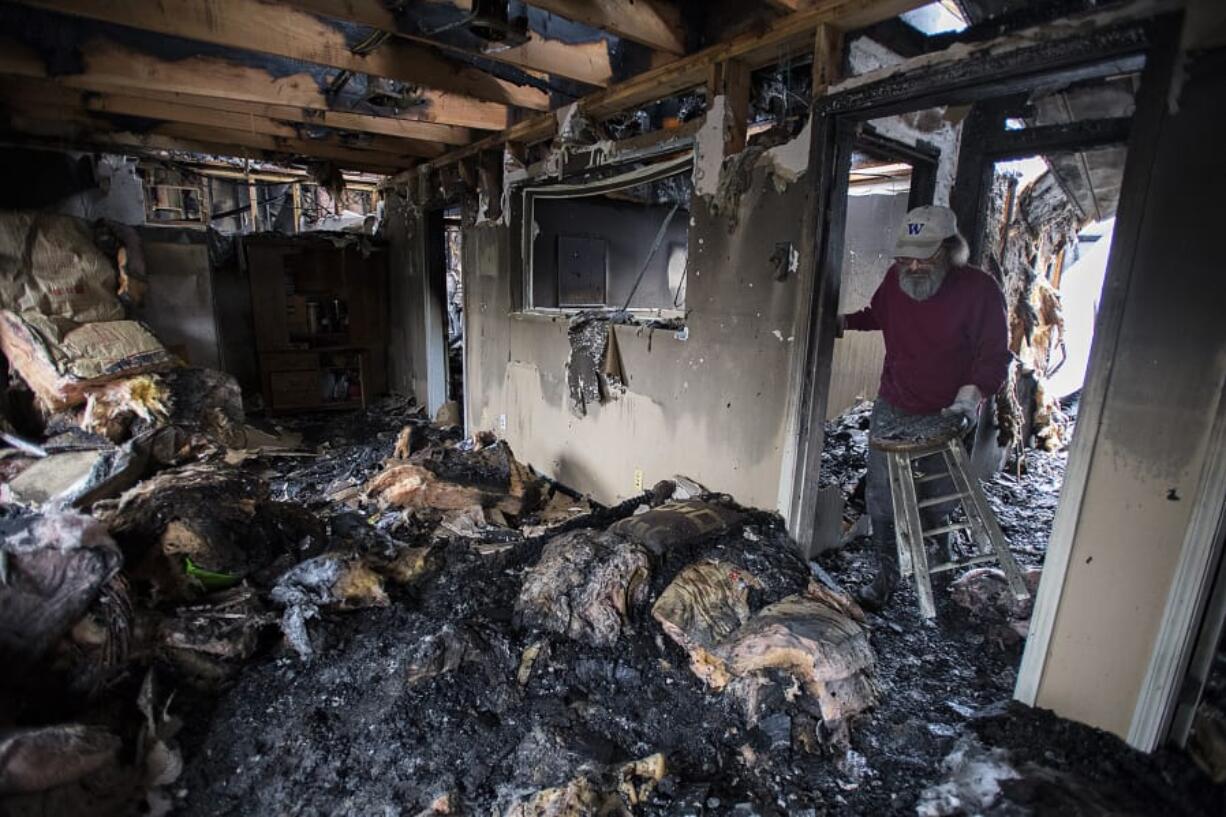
[
  {"x": 1004, "y": 67},
  {"x": 902, "y": 38},
  {"x": 922, "y": 157},
  {"x": 883, "y": 147},
  {"x": 973, "y": 180},
  {"x": 1068, "y": 137},
  {"x": 907, "y": 41}
]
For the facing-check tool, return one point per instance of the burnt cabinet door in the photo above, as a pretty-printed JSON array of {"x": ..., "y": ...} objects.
[{"x": 266, "y": 269}]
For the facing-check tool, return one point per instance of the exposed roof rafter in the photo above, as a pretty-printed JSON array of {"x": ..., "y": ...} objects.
[
  {"x": 21, "y": 94},
  {"x": 787, "y": 35},
  {"x": 77, "y": 129},
  {"x": 109, "y": 65},
  {"x": 654, "y": 23},
  {"x": 282, "y": 30},
  {"x": 583, "y": 62}
]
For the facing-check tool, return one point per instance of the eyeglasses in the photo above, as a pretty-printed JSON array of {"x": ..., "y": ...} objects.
[{"x": 907, "y": 261}]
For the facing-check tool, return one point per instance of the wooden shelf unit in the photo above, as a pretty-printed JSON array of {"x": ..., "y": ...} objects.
[{"x": 300, "y": 369}]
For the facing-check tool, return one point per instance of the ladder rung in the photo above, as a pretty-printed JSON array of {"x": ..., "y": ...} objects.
[
  {"x": 991, "y": 557},
  {"x": 937, "y": 500},
  {"x": 930, "y": 477},
  {"x": 948, "y": 529}
]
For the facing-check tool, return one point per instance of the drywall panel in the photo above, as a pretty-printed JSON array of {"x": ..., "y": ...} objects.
[
  {"x": 179, "y": 303},
  {"x": 1167, "y": 372},
  {"x": 407, "y": 346},
  {"x": 711, "y": 406}
]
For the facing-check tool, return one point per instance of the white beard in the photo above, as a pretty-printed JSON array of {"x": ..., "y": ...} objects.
[{"x": 921, "y": 288}]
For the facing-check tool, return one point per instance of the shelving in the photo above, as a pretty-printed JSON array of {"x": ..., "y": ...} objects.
[{"x": 321, "y": 317}]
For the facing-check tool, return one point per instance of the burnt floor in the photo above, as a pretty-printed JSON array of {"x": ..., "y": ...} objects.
[{"x": 342, "y": 735}]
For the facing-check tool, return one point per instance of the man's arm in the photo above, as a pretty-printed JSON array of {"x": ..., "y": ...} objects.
[
  {"x": 990, "y": 364},
  {"x": 868, "y": 318},
  {"x": 863, "y": 321}
]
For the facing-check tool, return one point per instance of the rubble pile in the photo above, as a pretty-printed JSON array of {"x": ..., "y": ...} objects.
[
  {"x": 387, "y": 618},
  {"x": 531, "y": 674},
  {"x": 944, "y": 737},
  {"x": 408, "y": 623},
  {"x": 371, "y": 614}
]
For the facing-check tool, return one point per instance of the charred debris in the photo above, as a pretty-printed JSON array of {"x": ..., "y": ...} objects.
[
  {"x": 208, "y": 613},
  {"x": 211, "y": 607},
  {"x": 372, "y": 614}
]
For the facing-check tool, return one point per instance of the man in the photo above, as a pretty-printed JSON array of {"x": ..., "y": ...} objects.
[{"x": 946, "y": 349}]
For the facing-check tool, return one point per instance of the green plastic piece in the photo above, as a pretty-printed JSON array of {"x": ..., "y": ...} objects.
[{"x": 209, "y": 578}]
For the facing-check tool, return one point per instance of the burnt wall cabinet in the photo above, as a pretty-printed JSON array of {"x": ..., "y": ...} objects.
[{"x": 320, "y": 314}]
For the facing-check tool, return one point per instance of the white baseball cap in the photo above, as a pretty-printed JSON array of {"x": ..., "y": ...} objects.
[{"x": 923, "y": 230}]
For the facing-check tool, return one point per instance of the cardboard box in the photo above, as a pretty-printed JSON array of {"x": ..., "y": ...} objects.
[{"x": 50, "y": 266}]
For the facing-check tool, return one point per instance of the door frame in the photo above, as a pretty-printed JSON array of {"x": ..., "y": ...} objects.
[
  {"x": 434, "y": 293},
  {"x": 1099, "y": 44}
]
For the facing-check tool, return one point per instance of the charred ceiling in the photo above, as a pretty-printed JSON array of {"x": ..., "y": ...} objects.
[{"x": 434, "y": 74}]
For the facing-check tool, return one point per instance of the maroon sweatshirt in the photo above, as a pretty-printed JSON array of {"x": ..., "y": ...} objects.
[{"x": 935, "y": 347}]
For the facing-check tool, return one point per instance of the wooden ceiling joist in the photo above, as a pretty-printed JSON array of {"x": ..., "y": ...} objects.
[
  {"x": 151, "y": 145},
  {"x": 41, "y": 119},
  {"x": 583, "y": 62},
  {"x": 281, "y": 30},
  {"x": 788, "y": 35},
  {"x": 654, "y": 23},
  {"x": 110, "y": 67},
  {"x": 19, "y": 92},
  {"x": 282, "y": 175},
  {"x": 416, "y": 130}
]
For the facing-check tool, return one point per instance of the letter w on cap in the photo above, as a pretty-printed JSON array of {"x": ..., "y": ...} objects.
[{"x": 914, "y": 228}]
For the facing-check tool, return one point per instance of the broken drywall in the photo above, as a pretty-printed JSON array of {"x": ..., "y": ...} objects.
[
  {"x": 725, "y": 179},
  {"x": 787, "y": 162}
]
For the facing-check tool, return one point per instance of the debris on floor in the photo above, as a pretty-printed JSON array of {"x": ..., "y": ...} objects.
[{"x": 367, "y": 613}]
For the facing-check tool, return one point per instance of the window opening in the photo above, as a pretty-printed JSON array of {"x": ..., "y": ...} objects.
[{"x": 616, "y": 244}]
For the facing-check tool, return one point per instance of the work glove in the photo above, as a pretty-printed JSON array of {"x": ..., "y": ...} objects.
[{"x": 966, "y": 404}]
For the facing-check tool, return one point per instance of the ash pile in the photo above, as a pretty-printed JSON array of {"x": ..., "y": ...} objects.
[
  {"x": 368, "y": 615},
  {"x": 523, "y": 652},
  {"x": 457, "y": 635},
  {"x": 371, "y": 614}
]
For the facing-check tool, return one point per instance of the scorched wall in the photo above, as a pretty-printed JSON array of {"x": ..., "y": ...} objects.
[{"x": 711, "y": 407}]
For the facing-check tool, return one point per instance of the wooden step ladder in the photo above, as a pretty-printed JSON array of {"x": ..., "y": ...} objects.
[{"x": 902, "y": 449}]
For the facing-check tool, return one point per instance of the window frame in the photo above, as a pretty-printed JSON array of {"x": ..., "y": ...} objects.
[{"x": 529, "y": 193}]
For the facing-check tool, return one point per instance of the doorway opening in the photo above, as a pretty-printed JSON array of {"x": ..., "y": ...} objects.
[
  {"x": 888, "y": 177},
  {"x": 446, "y": 286},
  {"x": 1040, "y": 229}
]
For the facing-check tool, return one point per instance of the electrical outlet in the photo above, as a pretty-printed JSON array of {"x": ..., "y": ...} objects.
[
  {"x": 638, "y": 479},
  {"x": 502, "y": 422}
]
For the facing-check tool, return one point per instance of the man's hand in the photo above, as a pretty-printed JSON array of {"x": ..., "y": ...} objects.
[{"x": 966, "y": 404}]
